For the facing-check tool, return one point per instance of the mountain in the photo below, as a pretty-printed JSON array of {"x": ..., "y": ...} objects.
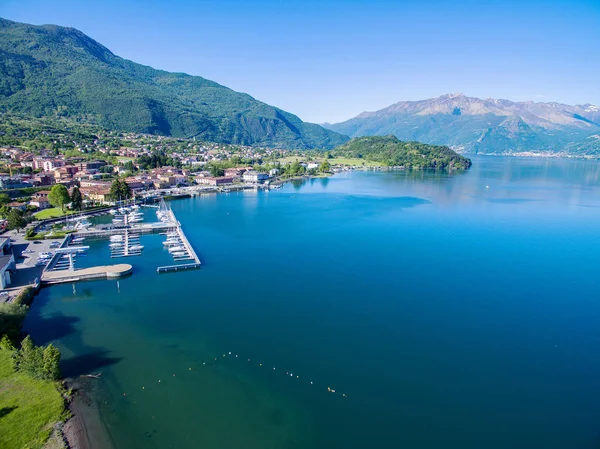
[
  {"x": 473, "y": 125},
  {"x": 389, "y": 150},
  {"x": 52, "y": 70}
]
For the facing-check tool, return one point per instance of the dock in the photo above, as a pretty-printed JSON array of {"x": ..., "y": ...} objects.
[
  {"x": 86, "y": 274},
  {"x": 190, "y": 255}
]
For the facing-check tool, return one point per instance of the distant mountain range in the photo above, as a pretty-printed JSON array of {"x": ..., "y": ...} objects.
[
  {"x": 51, "y": 70},
  {"x": 473, "y": 125}
]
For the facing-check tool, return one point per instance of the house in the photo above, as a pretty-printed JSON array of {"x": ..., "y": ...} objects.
[
  {"x": 215, "y": 181},
  {"x": 7, "y": 265},
  {"x": 312, "y": 165},
  {"x": 17, "y": 205},
  {"x": 43, "y": 179},
  {"x": 236, "y": 171},
  {"x": 96, "y": 193},
  {"x": 40, "y": 200},
  {"x": 65, "y": 172},
  {"x": 274, "y": 172},
  {"x": 254, "y": 176}
]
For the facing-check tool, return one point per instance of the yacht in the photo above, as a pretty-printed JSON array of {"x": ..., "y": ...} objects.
[
  {"x": 175, "y": 249},
  {"x": 136, "y": 247}
]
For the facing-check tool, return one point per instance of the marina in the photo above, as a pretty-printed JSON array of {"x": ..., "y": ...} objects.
[{"x": 124, "y": 235}]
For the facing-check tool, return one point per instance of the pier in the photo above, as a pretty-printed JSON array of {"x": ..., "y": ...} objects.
[{"x": 86, "y": 274}]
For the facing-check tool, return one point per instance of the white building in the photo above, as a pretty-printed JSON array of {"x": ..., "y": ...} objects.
[
  {"x": 7, "y": 264},
  {"x": 254, "y": 176}
]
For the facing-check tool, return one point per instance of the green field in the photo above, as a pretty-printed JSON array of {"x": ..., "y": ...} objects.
[
  {"x": 53, "y": 212},
  {"x": 28, "y": 408}
]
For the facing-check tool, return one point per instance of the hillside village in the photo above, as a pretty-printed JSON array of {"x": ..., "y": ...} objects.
[{"x": 91, "y": 160}]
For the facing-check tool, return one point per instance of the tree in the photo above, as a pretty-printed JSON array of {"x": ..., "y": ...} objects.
[
  {"x": 4, "y": 198},
  {"x": 59, "y": 196},
  {"x": 119, "y": 190},
  {"x": 215, "y": 170},
  {"x": 76, "y": 199},
  {"x": 51, "y": 361},
  {"x": 325, "y": 167},
  {"x": 38, "y": 362},
  {"x": 15, "y": 220}
]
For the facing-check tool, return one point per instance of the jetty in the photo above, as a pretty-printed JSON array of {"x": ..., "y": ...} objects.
[{"x": 86, "y": 274}]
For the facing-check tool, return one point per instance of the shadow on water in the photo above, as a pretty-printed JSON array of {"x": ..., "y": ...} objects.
[
  {"x": 54, "y": 327},
  {"x": 6, "y": 410},
  {"x": 87, "y": 363}
]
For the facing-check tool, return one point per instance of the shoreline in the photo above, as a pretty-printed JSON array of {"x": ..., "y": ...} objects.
[{"x": 85, "y": 429}]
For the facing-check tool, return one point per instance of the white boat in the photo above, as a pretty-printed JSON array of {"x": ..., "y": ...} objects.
[
  {"x": 77, "y": 240},
  {"x": 136, "y": 247},
  {"x": 113, "y": 211},
  {"x": 116, "y": 238},
  {"x": 175, "y": 249},
  {"x": 115, "y": 245},
  {"x": 179, "y": 254}
]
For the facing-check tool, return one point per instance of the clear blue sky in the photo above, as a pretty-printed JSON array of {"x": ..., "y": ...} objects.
[{"x": 330, "y": 60}]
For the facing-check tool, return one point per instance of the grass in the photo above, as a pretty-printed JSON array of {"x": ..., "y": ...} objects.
[
  {"x": 29, "y": 408},
  {"x": 53, "y": 212}
]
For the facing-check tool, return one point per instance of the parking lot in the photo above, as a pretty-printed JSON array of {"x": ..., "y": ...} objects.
[{"x": 26, "y": 254}]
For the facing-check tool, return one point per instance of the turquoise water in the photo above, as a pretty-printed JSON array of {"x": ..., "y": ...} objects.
[{"x": 445, "y": 311}]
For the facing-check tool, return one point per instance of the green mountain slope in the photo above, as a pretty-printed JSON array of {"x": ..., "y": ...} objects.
[
  {"x": 389, "y": 150},
  {"x": 48, "y": 70}
]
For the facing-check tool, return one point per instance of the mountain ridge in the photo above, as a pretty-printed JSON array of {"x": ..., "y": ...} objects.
[
  {"x": 474, "y": 125},
  {"x": 54, "y": 70}
]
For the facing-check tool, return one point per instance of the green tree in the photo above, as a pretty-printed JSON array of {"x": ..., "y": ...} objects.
[
  {"x": 15, "y": 220},
  {"x": 59, "y": 196},
  {"x": 4, "y": 198},
  {"x": 6, "y": 344},
  {"x": 76, "y": 199},
  {"x": 215, "y": 170},
  {"x": 11, "y": 319},
  {"x": 50, "y": 363},
  {"x": 4, "y": 211},
  {"x": 119, "y": 190},
  {"x": 325, "y": 167},
  {"x": 30, "y": 359},
  {"x": 296, "y": 168}
]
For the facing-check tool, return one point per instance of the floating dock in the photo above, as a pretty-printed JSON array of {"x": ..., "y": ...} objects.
[{"x": 191, "y": 254}]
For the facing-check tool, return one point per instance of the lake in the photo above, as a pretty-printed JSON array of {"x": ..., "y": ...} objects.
[{"x": 369, "y": 309}]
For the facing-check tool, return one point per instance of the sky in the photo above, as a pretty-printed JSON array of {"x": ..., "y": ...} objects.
[{"x": 327, "y": 61}]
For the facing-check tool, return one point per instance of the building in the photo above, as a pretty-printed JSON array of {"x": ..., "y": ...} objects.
[
  {"x": 7, "y": 266},
  {"x": 96, "y": 193},
  {"x": 274, "y": 172},
  {"x": 65, "y": 172},
  {"x": 51, "y": 164},
  {"x": 236, "y": 171},
  {"x": 17, "y": 205},
  {"x": 214, "y": 181},
  {"x": 254, "y": 176},
  {"x": 43, "y": 179},
  {"x": 40, "y": 200},
  {"x": 14, "y": 182}
]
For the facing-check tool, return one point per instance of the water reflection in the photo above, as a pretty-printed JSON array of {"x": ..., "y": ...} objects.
[{"x": 522, "y": 183}]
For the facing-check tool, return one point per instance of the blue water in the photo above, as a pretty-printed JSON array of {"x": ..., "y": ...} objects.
[{"x": 457, "y": 311}]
